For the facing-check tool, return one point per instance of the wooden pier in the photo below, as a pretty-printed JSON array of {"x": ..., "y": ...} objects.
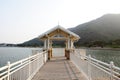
[
  {"x": 59, "y": 68},
  {"x": 59, "y": 63}
]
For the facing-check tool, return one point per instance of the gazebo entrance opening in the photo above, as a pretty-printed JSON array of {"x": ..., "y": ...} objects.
[
  {"x": 58, "y": 34},
  {"x": 58, "y": 52},
  {"x": 58, "y": 48}
]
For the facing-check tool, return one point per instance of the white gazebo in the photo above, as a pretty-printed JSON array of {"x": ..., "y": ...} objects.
[{"x": 59, "y": 33}]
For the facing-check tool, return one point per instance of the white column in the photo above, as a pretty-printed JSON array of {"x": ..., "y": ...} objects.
[
  {"x": 51, "y": 44},
  {"x": 68, "y": 43},
  {"x": 71, "y": 44},
  {"x": 45, "y": 44},
  {"x": 48, "y": 43}
]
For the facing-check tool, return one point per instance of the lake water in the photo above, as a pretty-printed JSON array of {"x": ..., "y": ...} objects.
[
  {"x": 105, "y": 55},
  {"x": 13, "y": 54}
]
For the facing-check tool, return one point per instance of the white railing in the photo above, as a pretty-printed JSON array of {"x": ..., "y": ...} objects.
[
  {"x": 24, "y": 69},
  {"x": 94, "y": 69}
]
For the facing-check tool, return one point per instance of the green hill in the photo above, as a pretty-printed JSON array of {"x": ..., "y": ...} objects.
[
  {"x": 34, "y": 43},
  {"x": 103, "y": 29}
]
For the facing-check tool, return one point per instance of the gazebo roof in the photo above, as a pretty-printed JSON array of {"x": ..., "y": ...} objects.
[{"x": 59, "y": 29}]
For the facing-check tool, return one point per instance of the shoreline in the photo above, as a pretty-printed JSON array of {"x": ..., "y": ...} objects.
[{"x": 99, "y": 48}]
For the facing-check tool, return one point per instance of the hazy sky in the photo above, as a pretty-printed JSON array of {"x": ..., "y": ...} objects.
[{"x": 22, "y": 20}]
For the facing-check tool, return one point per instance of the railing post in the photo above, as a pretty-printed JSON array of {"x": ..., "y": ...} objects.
[
  {"x": 111, "y": 70},
  {"x": 38, "y": 57},
  {"x": 8, "y": 64},
  {"x": 89, "y": 67},
  {"x": 29, "y": 66},
  {"x": 21, "y": 74},
  {"x": 44, "y": 57}
]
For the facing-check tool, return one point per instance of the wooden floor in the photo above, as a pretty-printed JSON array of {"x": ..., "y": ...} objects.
[{"x": 59, "y": 69}]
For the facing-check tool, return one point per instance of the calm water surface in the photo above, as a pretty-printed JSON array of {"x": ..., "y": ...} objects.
[
  {"x": 105, "y": 55},
  {"x": 13, "y": 54}
]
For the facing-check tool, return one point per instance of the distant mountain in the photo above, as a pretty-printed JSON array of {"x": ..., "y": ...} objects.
[
  {"x": 7, "y": 45},
  {"x": 34, "y": 42},
  {"x": 105, "y": 28}
]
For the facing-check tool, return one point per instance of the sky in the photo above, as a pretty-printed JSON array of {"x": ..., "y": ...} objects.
[{"x": 22, "y": 20}]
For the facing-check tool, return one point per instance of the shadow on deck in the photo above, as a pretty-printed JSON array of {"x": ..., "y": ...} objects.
[{"x": 58, "y": 68}]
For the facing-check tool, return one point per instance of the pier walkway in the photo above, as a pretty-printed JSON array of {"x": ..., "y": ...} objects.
[
  {"x": 38, "y": 67},
  {"x": 59, "y": 69}
]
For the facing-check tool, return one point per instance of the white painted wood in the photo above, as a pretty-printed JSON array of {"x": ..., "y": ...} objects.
[
  {"x": 72, "y": 45},
  {"x": 29, "y": 66},
  {"x": 94, "y": 69},
  {"x": 24, "y": 69},
  {"x": 48, "y": 43},
  {"x": 68, "y": 43},
  {"x": 45, "y": 44},
  {"x": 60, "y": 28},
  {"x": 8, "y": 74}
]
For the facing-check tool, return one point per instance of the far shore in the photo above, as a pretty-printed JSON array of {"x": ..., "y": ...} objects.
[
  {"x": 99, "y": 48},
  {"x": 92, "y": 48}
]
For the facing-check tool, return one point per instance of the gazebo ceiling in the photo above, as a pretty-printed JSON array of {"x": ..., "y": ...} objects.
[{"x": 58, "y": 30}]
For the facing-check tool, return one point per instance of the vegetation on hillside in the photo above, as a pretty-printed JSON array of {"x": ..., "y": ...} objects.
[
  {"x": 102, "y": 44},
  {"x": 101, "y": 32}
]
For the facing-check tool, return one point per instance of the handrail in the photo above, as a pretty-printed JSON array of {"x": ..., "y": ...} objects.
[
  {"x": 28, "y": 66},
  {"x": 95, "y": 69}
]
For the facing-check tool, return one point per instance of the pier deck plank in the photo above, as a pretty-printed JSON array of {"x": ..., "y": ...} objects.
[{"x": 59, "y": 69}]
